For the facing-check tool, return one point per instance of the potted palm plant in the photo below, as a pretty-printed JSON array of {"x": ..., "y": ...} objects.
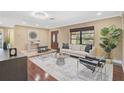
[
  {"x": 7, "y": 43},
  {"x": 109, "y": 39}
]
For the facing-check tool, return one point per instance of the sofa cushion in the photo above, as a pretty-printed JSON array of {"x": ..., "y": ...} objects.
[
  {"x": 74, "y": 52},
  {"x": 65, "y": 46},
  {"x": 88, "y": 48},
  {"x": 75, "y": 47},
  {"x": 64, "y": 50},
  {"x": 82, "y": 48},
  {"x": 83, "y": 53}
]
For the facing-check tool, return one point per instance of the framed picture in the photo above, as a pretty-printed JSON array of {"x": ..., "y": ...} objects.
[
  {"x": 12, "y": 52},
  {"x": 33, "y": 35}
]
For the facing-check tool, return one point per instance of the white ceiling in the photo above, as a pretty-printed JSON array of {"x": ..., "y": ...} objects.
[{"x": 61, "y": 18}]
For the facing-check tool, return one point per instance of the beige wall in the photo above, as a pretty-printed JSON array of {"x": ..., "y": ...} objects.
[
  {"x": 123, "y": 39},
  {"x": 11, "y": 34},
  {"x": 1, "y": 30},
  {"x": 21, "y": 36},
  {"x": 6, "y": 31},
  {"x": 64, "y": 34}
]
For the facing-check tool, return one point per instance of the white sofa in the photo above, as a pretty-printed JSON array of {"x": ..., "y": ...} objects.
[{"x": 78, "y": 51}]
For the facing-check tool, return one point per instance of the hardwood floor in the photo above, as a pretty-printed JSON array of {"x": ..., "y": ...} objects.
[
  {"x": 34, "y": 71},
  {"x": 118, "y": 74}
]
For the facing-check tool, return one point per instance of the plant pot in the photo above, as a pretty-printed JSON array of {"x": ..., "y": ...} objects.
[
  {"x": 8, "y": 46},
  {"x": 109, "y": 61},
  {"x": 5, "y": 46},
  {"x": 108, "y": 55}
]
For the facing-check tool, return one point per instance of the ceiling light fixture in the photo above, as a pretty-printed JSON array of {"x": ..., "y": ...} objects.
[
  {"x": 99, "y": 13},
  {"x": 40, "y": 14}
]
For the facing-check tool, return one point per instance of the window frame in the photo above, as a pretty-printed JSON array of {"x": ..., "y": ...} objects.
[{"x": 81, "y": 30}]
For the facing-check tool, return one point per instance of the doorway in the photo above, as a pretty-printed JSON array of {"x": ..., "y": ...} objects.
[{"x": 54, "y": 39}]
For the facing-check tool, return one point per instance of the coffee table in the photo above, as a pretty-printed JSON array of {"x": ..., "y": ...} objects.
[{"x": 60, "y": 59}]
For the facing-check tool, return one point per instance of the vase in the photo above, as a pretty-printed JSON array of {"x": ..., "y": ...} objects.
[
  {"x": 109, "y": 61},
  {"x": 8, "y": 46},
  {"x": 5, "y": 46},
  {"x": 108, "y": 55}
]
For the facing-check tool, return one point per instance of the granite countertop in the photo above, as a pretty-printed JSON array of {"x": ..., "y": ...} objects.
[
  {"x": 68, "y": 71},
  {"x": 4, "y": 55}
]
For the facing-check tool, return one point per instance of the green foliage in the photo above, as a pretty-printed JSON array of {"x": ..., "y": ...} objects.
[
  {"x": 7, "y": 40},
  {"x": 78, "y": 39},
  {"x": 110, "y": 37}
]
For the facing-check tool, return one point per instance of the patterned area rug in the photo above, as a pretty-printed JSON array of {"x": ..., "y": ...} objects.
[{"x": 70, "y": 71}]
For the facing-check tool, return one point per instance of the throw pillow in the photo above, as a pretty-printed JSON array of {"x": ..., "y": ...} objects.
[
  {"x": 88, "y": 48},
  {"x": 65, "y": 46}
]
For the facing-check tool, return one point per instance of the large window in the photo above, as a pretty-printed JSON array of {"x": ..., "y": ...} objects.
[
  {"x": 82, "y": 35},
  {"x": 75, "y": 37}
]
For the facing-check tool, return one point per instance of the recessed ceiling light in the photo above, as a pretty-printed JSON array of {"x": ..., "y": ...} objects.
[
  {"x": 40, "y": 14},
  {"x": 99, "y": 13}
]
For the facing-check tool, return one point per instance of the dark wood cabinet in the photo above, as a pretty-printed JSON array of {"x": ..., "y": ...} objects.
[
  {"x": 35, "y": 73},
  {"x": 13, "y": 69}
]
